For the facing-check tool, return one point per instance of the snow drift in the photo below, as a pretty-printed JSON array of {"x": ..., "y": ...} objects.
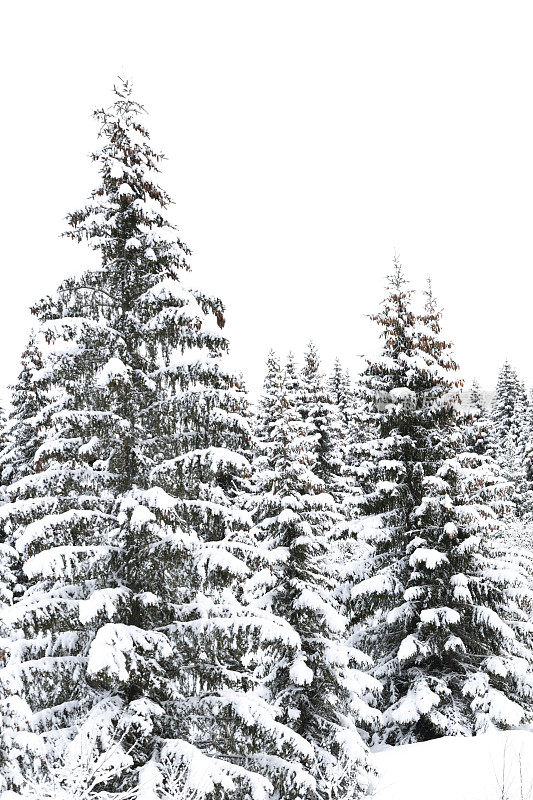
[{"x": 494, "y": 766}]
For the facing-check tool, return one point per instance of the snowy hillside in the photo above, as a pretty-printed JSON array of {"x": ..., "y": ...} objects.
[{"x": 495, "y": 766}]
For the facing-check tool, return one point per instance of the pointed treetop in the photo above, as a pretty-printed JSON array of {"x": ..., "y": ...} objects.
[
  {"x": 123, "y": 88},
  {"x": 311, "y": 358},
  {"x": 476, "y": 397},
  {"x": 430, "y": 305},
  {"x": 396, "y": 279}
]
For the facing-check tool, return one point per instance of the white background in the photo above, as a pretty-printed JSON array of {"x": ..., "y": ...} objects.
[{"x": 306, "y": 142}]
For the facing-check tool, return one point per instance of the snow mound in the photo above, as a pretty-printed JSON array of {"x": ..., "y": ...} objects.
[{"x": 493, "y": 766}]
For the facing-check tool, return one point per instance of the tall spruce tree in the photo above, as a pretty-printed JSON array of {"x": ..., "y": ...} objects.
[
  {"x": 267, "y": 399},
  {"x": 292, "y": 378},
  {"x": 476, "y": 396},
  {"x": 528, "y": 462},
  {"x": 340, "y": 390},
  {"x": 511, "y": 424},
  {"x": 351, "y": 427},
  {"x": 503, "y": 406},
  {"x": 479, "y": 430},
  {"x": 323, "y": 420},
  {"x": 318, "y": 681},
  {"x": 440, "y": 601},
  {"x": 348, "y": 404},
  {"x": 29, "y": 400},
  {"x": 513, "y": 452},
  {"x": 131, "y": 627},
  {"x": 18, "y": 745}
]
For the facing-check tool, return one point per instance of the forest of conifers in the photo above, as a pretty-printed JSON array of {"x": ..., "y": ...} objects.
[{"x": 207, "y": 599}]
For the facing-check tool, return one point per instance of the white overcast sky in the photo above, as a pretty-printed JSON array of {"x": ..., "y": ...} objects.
[{"x": 306, "y": 142}]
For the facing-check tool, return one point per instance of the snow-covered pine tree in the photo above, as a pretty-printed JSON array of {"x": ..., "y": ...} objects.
[
  {"x": 511, "y": 425},
  {"x": 353, "y": 430},
  {"x": 317, "y": 682},
  {"x": 18, "y": 746},
  {"x": 349, "y": 549},
  {"x": 267, "y": 399},
  {"x": 517, "y": 433},
  {"x": 528, "y": 463},
  {"x": 29, "y": 400},
  {"x": 340, "y": 389},
  {"x": 503, "y": 406},
  {"x": 439, "y": 603},
  {"x": 512, "y": 454},
  {"x": 478, "y": 438},
  {"x": 323, "y": 420},
  {"x": 3, "y": 428},
  {"x": 130, "y": 628},
  {"x": 292, "y": 375},
  {"x": 345, "y": 397},
  {"x": 523, "y": 417},
  {"x": 336, "y": 383},
  {"x": 476, "y": 397},
  {"x": 478, "y": 428}
]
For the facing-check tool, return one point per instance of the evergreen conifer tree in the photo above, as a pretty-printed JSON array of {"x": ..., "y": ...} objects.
[
  {"x": 514, "y": 457},
  {"x": 18, "y": 745},
  {"x": 352, "y": 430},
  {"x": 323, "y": 420},
  {"x": 476, "y": 398},
  {"x": 503, "y": 407},
  {"x": 528, "y": 462},
  {"x": 479, "y": 434},
  {"x": 131, "y": 626},
  {"x": 317, "y": 682},
  {"x": 439, "y": 603},
  {"x": 292, "y": 378},
  {"x": 267, "y": 399},
  {"x": 340, "y": 389},
  {"x": 29, "y": 400},
  {"x": 510, "y": 417},
  {"x": 349, "y": 405}
]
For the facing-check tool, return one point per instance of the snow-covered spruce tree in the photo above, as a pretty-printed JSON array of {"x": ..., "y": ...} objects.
[
  {"x": 3, "y": 442},
  {"x": 513, "y": 450},
  {"x": 348, "y": 405},
  {"x": 353, "y": 430},
  {"x": 503, "y": 406},
  {"x": 130, "y": 626},
  {"x": 340, "y": 389},
  {"x": 478, "y": 431},
  {"x": 441, "y": 603},
  {"x": 3, "y": 428},
  {"x": 346, "y": 396},
  {"x": 511, "y": 425},
  {"x": 317, "y": 682},
  {"x": 29, "y": 400},
  {"x": 522, "y": 420},
  {"x": 336, "y": 383},
  {"x": 267, "y": 399},
  {"x": 18, "y": 746},
  {"x": 293, "y": 382},
  {"x": 476, "y": 396},
  {"x": 478, "y": 445},
  {"x": 528, "y": 463},
  {"x": 517, "y": 433},
  {"x": 324, "y": 426}
]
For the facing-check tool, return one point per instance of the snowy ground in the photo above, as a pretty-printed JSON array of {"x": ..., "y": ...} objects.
[{"x": 496, "y": 766}]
